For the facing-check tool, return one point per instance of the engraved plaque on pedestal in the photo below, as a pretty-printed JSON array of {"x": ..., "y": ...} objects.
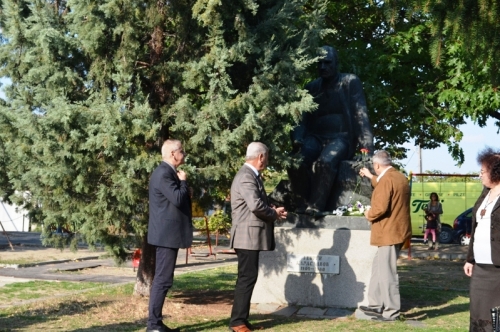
[{"x": 327, "y": 264}]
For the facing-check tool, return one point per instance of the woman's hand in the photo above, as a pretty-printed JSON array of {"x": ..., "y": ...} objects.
[{"x": 468, "y": 269}]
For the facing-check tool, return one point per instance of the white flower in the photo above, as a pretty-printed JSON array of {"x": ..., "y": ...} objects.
[
  {"x": 356, "y": 209},
  {"x": 339, "y": 211}
]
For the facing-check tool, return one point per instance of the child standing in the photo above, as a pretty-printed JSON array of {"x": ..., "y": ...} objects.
[
  {"x": 435, "y": 206},
  {"x": 430, "y": 228}
]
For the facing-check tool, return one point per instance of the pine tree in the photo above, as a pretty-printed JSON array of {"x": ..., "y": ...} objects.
[{"x": 97, "y": 86}]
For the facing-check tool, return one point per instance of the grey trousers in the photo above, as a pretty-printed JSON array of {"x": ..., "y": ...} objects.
[{"x": 383, "y": 291}]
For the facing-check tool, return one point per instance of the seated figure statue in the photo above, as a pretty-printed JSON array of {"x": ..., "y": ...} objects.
[{"x": 332, "y": 133}]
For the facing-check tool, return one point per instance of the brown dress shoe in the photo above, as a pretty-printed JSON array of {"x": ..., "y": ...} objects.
[
  {"x": 240, "y": 328},
  {"x": 252, "y": 327}
]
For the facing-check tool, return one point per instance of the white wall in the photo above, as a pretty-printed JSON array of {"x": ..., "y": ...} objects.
[{"x": 13, "y": 218}]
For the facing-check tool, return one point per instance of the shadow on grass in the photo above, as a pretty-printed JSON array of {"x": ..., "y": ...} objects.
[
  {"x": 15, "y": 320},
  {"x": 441, "y": 285},
  {"x": 423, "y": 314},
  {"x": 266, "y": 321},
  {"x": 122, "y": 327},
  {"x": 205, "y": 297}
]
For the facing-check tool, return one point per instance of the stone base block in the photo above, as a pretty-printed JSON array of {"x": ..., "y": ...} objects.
[{"x": 347, "y": 289}]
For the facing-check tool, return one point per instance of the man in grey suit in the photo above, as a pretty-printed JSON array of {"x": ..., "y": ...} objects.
[
  {"x": 252, "y": 230},
  {"x": 170, "y": 226}
]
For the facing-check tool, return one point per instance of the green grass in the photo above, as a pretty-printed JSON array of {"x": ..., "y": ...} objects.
[
  {"x": 434, "y": 298},
  {"x": 40, "y": 258},
  {"x": 20, "y": 261},
  {"x": 22, "y": 291},
  {"x": 219, "y": 279}
]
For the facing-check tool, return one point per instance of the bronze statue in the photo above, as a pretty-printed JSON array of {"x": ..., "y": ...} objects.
[{"x": 332, "y": 133}]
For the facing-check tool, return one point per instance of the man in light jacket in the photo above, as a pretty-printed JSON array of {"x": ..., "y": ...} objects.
[{"x": 390, "y": 229}]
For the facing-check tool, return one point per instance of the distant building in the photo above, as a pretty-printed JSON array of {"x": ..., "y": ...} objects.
[{"x": 13, "y": 218}]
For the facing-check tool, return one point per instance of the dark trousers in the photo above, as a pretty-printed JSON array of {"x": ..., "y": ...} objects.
[
  {"x": 163, "y": 280},
  {"x": 248, "y": 269},
  {"x": 484, "y": 295}
]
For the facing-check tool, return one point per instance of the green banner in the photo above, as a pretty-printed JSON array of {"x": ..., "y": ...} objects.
[{"x": 456, "y": 197}]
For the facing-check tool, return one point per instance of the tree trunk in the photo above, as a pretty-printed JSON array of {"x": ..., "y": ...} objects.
[{"x": 146, "y": 269}]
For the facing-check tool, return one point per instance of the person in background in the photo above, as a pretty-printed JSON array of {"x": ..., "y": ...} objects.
[
  {"x": 170, "y": 226},
  {"x": 390, "y": 229},
  {"x": 430, "y": 228},
  {"x": 252, "y": 230},
  {"x": 483, "y": 257},
  {"x": 434, "y": 206}
]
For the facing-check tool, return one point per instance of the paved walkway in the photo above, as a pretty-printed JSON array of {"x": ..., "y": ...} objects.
[
  {"x": 445, "y": 251},
  {"x": 65, "y": 265}
]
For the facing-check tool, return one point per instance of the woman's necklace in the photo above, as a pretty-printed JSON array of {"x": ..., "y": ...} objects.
[{"x": 483, "y": 211}]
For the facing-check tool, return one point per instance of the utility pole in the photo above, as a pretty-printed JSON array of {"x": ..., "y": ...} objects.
[{"x": 420, "y": 159}]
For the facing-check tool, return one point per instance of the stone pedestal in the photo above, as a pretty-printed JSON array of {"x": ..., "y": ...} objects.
[{"x": 345, "y": 237}]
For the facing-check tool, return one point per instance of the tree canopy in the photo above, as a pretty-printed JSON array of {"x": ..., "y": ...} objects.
[{"x": 97, "y": 86}]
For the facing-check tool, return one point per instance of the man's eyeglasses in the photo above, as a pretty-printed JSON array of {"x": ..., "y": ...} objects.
[{"x": 181, "y": 151}]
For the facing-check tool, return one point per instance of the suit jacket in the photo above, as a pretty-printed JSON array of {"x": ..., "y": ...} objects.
[
  {"x": 252, "y": 217},
  {"x": 494, "y": 229},
  {"x": 390, "y": 209},
  {"x": 170, "y": 223}
]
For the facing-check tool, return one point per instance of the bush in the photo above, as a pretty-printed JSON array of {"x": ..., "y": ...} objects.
[{"x": 218, "y": 222}]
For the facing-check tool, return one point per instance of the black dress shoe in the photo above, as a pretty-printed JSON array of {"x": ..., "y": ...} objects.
[
  {"x": 371, "y": 311},
  {"x": 164, "y": 328},
  {"x": 383, "y": 319}
]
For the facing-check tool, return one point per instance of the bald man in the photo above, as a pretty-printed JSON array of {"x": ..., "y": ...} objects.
[{"x": 170, "y": 226}]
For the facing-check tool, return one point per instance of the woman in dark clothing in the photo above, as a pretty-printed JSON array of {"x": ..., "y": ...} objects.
[{"x": 483, "y": 257}]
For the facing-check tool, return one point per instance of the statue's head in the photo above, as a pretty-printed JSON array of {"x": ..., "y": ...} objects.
[{"x": 328, "y": 66}]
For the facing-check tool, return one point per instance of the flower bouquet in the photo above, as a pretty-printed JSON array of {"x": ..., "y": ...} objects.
[{"x": 356, "y": 209}]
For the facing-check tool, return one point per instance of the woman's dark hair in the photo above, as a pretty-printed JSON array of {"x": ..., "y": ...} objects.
[
  {"x": 490, "y": 160},
  {"x": 437, "y": 196}
]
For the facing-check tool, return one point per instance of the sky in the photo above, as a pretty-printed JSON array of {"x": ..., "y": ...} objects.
[{"x": 474, "y": 140}]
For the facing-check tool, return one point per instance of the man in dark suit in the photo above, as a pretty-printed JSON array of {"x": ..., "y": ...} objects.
[
  {"x": 170, "y": 226},
  {"x": 252, "y": 230}
]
